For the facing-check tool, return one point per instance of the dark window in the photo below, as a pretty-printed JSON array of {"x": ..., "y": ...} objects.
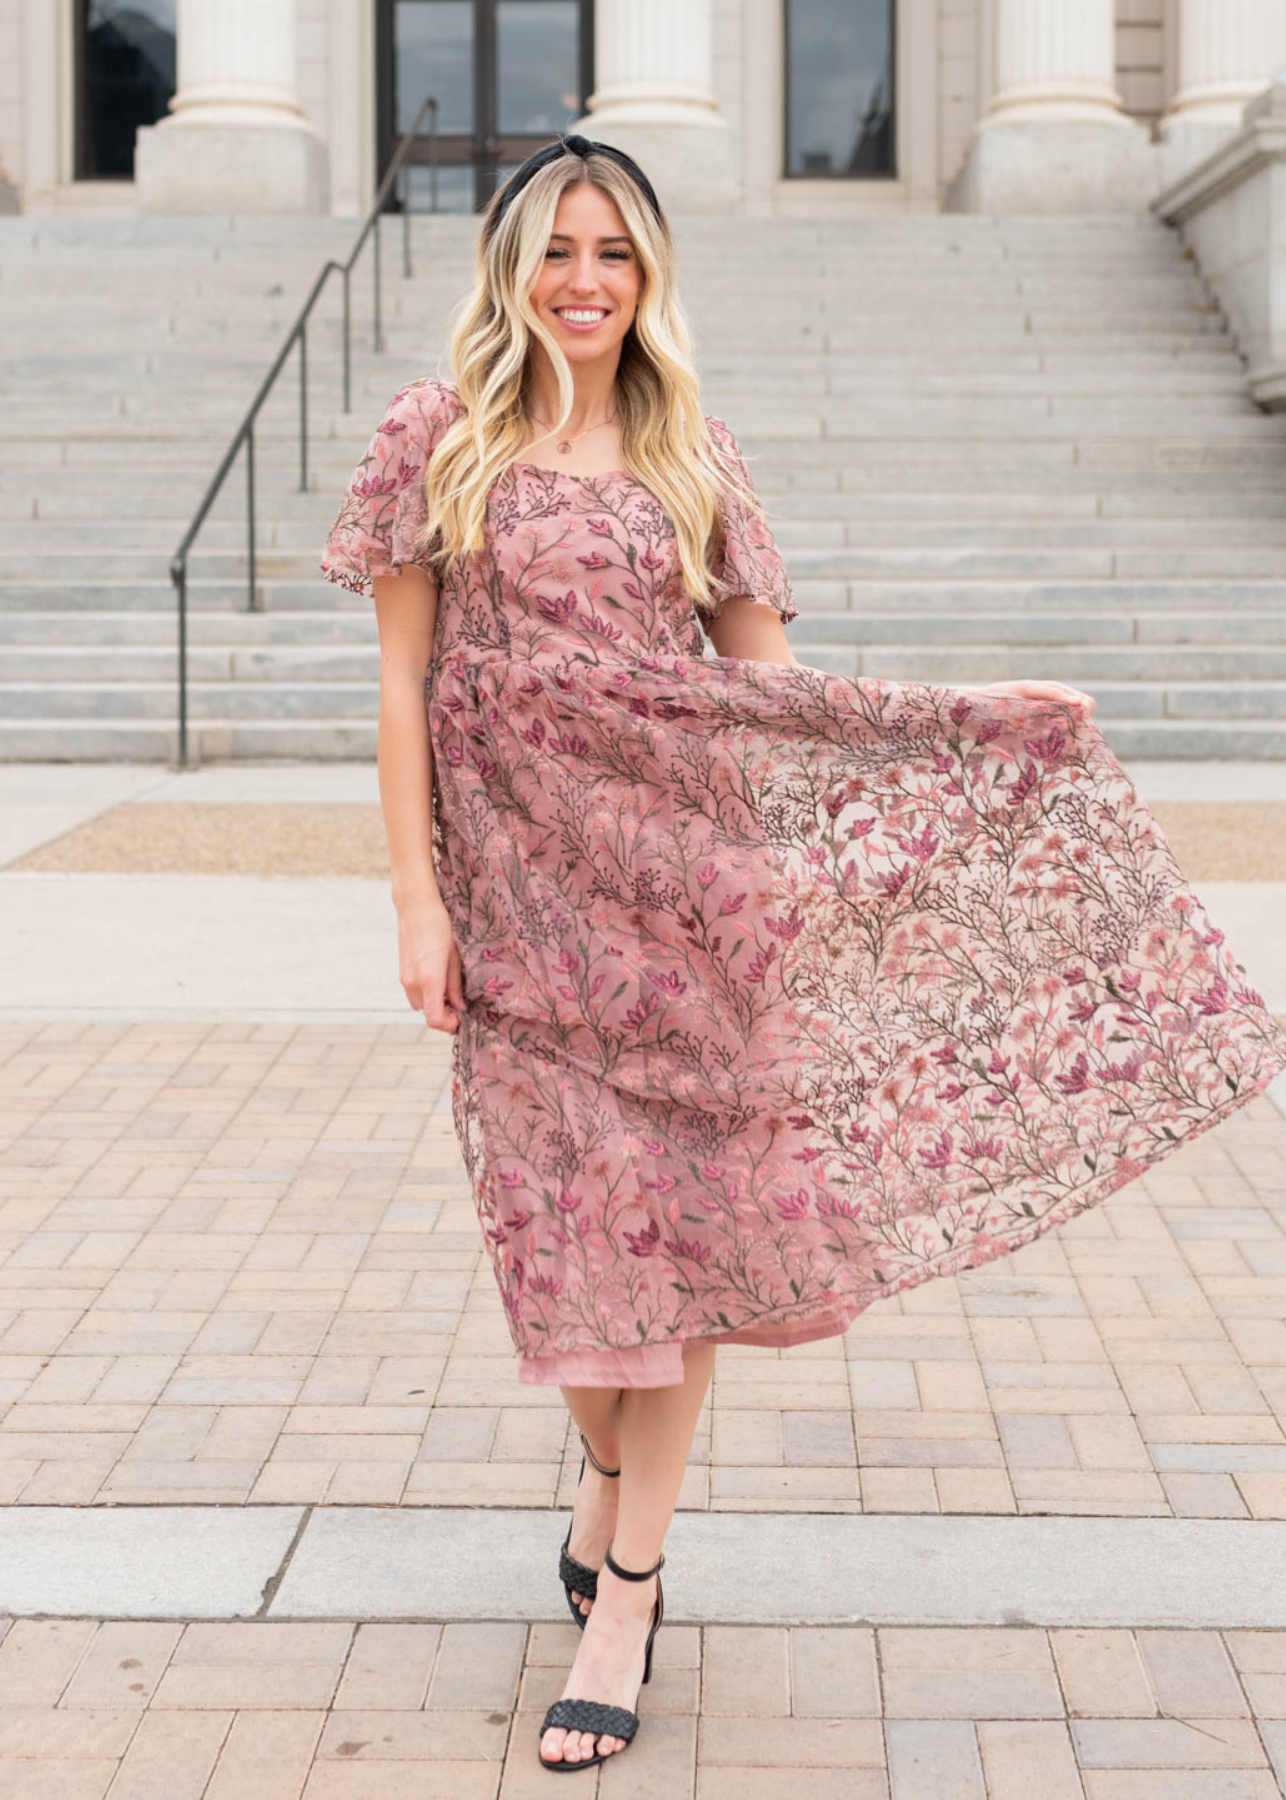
[
  {"x": 124, "y": 79},
  {"x": 839, "y": 88},
  {"x": 508, "y": 75}
]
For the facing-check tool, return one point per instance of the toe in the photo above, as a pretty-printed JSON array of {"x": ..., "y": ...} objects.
[{"x": 551, "y": 1745}]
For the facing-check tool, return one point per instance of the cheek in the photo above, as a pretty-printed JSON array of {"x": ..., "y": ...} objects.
[{"x": 626, "y": 292}]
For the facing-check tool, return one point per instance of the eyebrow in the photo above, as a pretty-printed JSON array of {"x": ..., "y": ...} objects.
[{"x": 568, "y": 238}]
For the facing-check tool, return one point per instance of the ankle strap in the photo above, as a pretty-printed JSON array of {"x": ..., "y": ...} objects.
[
  {"x": 630, "y": 1574},
  {"x": 598, "y": 1465}
]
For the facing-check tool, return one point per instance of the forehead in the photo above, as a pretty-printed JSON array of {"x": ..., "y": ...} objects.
[{"x": 585, "y": 211}]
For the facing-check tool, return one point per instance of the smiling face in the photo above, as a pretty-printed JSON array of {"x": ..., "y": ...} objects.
[{"x": 591, "y": 272}]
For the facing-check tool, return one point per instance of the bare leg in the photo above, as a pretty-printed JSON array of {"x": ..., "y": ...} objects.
[
  {"x": 656, "y": 1435},
  {"x": 597, "y": 1411}
]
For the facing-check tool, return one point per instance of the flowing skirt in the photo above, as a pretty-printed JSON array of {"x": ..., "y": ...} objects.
[{"x": 787, "y": 992}]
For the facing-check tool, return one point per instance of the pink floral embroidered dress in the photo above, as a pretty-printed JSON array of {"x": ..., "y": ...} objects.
[{"x": 785, "y": 991}]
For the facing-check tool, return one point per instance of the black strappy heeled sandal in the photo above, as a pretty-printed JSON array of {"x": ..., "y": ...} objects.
[
  {"x": 596, "y": 1715},
  {"x": 575, "y": 1574}
]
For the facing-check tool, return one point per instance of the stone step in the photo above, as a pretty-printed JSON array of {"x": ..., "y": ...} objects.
[
  {"x": 988, "y": 448},
  {"x": 207, "y": 298},
  {"x": 815, "y": 595},
  {"x": 1012, "y": 550},
  {"x": 161, "y": 518},
  {"x": 1054, "y": 492},
  {"x": 821, "y": 380},
  {"x": 857, "y": 563},
  {"x": 357, "y": 697},
  {"x": 114, "y": 635},
  {"x": 1132, "y": 738},
  {"x": 807, "y": 526},
  {"x": 91, "y": 680}
]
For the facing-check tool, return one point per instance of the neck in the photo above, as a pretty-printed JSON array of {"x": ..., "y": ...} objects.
[{"x": 593, "y": 398}]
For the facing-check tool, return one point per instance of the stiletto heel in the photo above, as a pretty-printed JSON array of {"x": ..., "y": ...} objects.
[
  {"x": 571, "y": 1573},
  {"x": 574, "y": 1714}
]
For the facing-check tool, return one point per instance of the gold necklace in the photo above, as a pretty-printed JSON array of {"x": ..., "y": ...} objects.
[{"x": 565, "y": 444}]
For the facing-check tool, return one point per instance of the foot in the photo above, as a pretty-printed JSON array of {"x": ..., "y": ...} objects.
[
  {"x": 593, "y": 1520},
  {"x": 608, "y": 1665}
]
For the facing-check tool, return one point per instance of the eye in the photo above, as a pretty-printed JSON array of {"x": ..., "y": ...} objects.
[{"x": 615, "y": 255}]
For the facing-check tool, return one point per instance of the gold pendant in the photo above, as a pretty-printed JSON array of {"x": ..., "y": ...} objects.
[{"x": 564, "y": 448}]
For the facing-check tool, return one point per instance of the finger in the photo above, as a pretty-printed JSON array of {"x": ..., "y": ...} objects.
[{"x": 437, "y": 1014}]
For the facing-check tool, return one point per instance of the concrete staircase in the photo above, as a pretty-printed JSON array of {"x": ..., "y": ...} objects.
[{"x": 988, "y": 448}]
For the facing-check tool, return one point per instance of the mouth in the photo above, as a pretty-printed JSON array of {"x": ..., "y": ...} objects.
[{"x": 581, "y": 318}]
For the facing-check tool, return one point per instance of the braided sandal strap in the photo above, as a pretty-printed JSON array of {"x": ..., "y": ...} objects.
[
  {"x": 591, "y": 1715},
  {"x": 577, "y": 1575}
]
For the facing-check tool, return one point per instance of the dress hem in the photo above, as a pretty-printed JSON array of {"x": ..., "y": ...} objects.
[{"x": 665, "y": 1367}]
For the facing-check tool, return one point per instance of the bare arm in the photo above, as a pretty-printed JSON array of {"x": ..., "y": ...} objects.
[
  {"x": 428, "y": 957},
  {"x": 745, "y": 627},
  {"x": 749, "y": 627}
]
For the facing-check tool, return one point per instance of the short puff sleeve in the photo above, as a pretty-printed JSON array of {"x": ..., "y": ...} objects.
[
  {"x": 382, "y": 513},
  {"x": 749, "y": 561}
]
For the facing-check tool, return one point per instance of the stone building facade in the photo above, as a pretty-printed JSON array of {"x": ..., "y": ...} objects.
[{"x": 755, "y": 107}]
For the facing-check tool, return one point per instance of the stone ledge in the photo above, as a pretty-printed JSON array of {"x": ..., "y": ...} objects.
[{"x": 1231, "y": 210}]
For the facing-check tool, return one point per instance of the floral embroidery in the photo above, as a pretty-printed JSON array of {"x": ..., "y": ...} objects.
[{"x": 786, "y": 991}]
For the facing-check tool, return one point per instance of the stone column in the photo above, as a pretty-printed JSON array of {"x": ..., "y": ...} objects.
[
  {"x": 1055, "y": 138},
  {"x": 1228, "y": 51},
  {"x": 654, "y": 98},
  {"x": 236, "y": 139},
  {"x": 1056, "y": 59}
]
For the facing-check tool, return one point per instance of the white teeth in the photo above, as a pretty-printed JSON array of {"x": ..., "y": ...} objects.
[{"x": 579, "y": 318}]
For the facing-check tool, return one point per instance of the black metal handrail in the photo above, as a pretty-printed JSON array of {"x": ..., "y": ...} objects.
[{"x": 298, "y": 333}]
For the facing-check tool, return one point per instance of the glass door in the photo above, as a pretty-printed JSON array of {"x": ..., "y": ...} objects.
[{"x": 508, "y": 75}]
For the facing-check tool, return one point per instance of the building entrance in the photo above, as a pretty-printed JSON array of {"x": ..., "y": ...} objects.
[{"x": 508, "y": 75}]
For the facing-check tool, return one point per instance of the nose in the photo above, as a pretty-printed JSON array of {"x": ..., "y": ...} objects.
[{"x": 584, "y": 279}]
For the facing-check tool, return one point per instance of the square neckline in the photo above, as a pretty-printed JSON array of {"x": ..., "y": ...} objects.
[{"x": 544, "y": 469}]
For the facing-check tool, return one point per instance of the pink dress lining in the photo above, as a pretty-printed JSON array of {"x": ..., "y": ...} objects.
[{"x": 661, "y": 1365}]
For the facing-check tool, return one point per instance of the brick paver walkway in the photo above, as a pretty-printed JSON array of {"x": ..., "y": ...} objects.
[
  {"x": 241, "y": 1263},
  {"x": 139, "y": 1711}
]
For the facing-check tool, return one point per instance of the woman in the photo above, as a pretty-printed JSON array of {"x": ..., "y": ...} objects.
[{"x": 771, "y": 992}]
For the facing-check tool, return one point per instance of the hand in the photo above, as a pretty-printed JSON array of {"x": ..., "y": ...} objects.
[
  {"x": 1042, "y": 690},
  {"x": 429, "y": 965}
]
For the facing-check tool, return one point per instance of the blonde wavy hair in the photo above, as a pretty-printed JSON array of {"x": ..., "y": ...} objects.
[{"x": 665, "y": 441}]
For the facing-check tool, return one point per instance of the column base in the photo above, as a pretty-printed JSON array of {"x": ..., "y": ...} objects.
[
  {"x": 1184, "y": 142},
  {"x": 689, "y": 164},
  {"x": 1056, "y": 166},
  {"x": 194, "y": 168}
]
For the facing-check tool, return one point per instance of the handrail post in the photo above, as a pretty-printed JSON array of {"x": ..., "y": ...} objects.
[
  {"x": 406, "y": 220},
  {"x": 379, "y": 333},
  {"x": 303, "y": 407},
  {"x": 348, "y": 340},
  {"x": 250, "y": 512},
  {"x": 179, "y": 572}
]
